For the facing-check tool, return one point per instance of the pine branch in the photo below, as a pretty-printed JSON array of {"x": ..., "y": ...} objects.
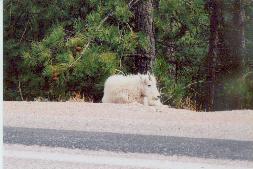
[
  {"x": 24, "y": 32},
  {"x": 130, "y": 5},
  {"x": 189, "y": 85},
  {"x": 90, "y": 39},
  {"x": 85, "y": 48},
  {"x": 20, "y": 91}
]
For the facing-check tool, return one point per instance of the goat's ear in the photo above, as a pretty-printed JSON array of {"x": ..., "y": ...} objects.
[{"x": 141, "y": 77}]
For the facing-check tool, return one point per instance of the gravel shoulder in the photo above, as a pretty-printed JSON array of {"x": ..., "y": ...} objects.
[{"x": 130, "y": 119}]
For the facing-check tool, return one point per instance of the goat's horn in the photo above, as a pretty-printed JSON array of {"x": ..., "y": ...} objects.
[{"x": 149, "y": 76}]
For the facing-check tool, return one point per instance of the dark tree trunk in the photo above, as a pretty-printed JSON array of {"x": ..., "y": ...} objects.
[
  {"x": 236, "y": 41},
  {"x": 215, "y": 13},
  {"x": 226, "y": 53},
  {"x": 238, "y": 38},
  {"x": 155, "y": 29},
  {"x": 144, "y": 22}
]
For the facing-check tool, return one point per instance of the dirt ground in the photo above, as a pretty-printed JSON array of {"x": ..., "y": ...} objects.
[{"x": 129, "y": 118}]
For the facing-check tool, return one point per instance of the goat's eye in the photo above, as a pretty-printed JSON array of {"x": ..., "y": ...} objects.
[{"x": 149, "y": 85}]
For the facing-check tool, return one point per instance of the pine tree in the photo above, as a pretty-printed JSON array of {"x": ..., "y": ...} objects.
[
  {"x": 144, "y": 22},
  {"x": 57, "y": 49}
]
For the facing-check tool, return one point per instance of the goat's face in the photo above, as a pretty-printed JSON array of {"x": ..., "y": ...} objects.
[{"x": 149, "y": 87}]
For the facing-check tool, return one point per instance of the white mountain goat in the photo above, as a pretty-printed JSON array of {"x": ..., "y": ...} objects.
[{"x": 139, "y": 88}]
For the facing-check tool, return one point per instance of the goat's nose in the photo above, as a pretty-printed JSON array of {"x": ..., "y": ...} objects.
[{"x": 159, "y": 97}]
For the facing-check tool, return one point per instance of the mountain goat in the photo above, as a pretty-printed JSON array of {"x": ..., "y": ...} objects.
[{"x": 139, "y": 88}]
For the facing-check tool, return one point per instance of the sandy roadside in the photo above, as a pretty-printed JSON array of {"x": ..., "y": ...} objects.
[{"x": 128, "y": 118}]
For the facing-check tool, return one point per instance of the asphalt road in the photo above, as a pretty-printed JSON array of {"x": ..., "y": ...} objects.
[{"x": 131, "y": 143}]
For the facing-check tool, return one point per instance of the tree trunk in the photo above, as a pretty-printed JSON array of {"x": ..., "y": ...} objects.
[
  {"x": 215, "y": 13},
  {"x": 238, "y": 37},
  {"x": 144, "y": 22}
]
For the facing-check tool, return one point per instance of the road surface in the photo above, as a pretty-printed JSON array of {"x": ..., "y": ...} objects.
[{"x": 86, "y": 135}]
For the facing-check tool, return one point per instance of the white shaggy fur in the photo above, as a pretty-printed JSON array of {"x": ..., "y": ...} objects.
[{"x": 131, "y": 89}]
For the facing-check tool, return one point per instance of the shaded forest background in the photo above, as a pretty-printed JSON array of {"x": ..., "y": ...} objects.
[{"x": 199, "y": 50}]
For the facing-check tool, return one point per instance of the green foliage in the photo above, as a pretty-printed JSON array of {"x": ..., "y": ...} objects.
[
  {"x": 239, "y": 91},
  {"x": 44, "y": 43},
  {"x": 56, "y": 62},
  {"x": 57, "y": 77},
  {"x": 122, "y": 11},
  {"x": 26, "y": 24},
  {"x": 172, "y": 92},
  {"x": 54, "y": 48},
  {"x": 182, "y": 36}
]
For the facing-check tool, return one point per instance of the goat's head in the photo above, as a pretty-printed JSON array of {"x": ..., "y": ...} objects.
[{"x": 149, "y": 88}]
